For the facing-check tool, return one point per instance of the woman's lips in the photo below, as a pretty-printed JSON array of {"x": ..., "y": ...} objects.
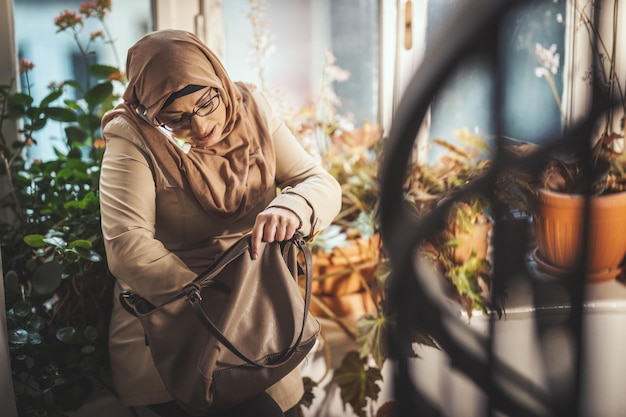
[{"x": 208, "y": 137}]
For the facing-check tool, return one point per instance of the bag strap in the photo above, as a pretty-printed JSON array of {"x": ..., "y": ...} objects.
[
  {"x": 194, "y": 298},
  {"x": 129, "y": 298}
]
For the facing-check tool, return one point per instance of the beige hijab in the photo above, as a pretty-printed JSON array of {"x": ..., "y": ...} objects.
[{"x": 227, "y": 179}]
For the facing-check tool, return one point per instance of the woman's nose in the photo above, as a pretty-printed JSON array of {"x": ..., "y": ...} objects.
[{"x": 197, "y": 124}]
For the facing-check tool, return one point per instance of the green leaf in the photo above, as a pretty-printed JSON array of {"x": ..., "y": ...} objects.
[
  {"x": 90, "y": 333},
  {"x": 35, "y": 241},
  {"x": 88, "y": 254},
  {"x": 371, "y": 337},
  {"x": 308, "y": 397},
  {"x": 22, "y": 309},
  {"x": 357, "y": 382},
  {"x": 36, "y": 322},
  {"x": 68, "y": 335},
  {"x": 57, "y": 242},
  {"x": 18, "y": 337},
  {"x": 50, "y": 98},
  {"x": 87, "y": 350},
  {"x": 36, "y": 123},
  {"x": 59, "y": 114},
  {"x": 69, "y": 173},
  {"x": 20, "y": 99},
  {"x": 80, "y": 243},
  {"x": 11, "y": 283},
  {"x": 98, "y": 93},
  {"x": 73, "y": 83},
  {"x": 47, "y": 278},
  {"x": 75, "y": 134},
  {"x": 89, "y": 122},
  {"x": 102, "y": 71}
]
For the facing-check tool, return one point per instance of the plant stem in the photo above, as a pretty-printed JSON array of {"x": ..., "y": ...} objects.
[
  {"x": 85, "y": 55},
  {"x": 555, "y": 93},
  {"x": 111, "y": 42},
  {"x": 594, "y": 33}
]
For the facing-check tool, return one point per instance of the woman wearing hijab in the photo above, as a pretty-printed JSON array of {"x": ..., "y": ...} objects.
[{"x": 194, "y": 161}]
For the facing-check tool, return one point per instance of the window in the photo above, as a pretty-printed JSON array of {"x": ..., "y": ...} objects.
[
  {"x": 300, "y": 32},
  {"x": 55, "y": 55},
  {"x": 530, "y": 109}
]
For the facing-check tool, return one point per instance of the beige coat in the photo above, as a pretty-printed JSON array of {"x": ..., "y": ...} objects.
[{"x": 157, "y": 239}]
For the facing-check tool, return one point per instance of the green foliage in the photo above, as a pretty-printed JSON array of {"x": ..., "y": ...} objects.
[
  {"x": 307, "y": 398},
  {"x": 465, "y": 279},
  {"x": 57, "y": 285},
  {"x": 358, "y": 382},
  {"x": 372, "y": 337}
]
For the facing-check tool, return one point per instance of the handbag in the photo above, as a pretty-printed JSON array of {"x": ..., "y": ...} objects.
[{"x": 235, "y": 330}]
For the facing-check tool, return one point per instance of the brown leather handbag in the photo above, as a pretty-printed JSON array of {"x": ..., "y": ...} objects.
[{"x": 235, "y": 330}]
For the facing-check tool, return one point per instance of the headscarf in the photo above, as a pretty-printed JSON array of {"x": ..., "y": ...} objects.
[{"x": 227, "y": 179}]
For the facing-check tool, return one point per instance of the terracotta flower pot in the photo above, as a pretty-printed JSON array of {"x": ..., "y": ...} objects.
[
  {"x": 343, "y": 305},
  {"x": 476, "y": 242},
  {"x": 340, "y": 271},
  {"x": 559, "y": 226},
  {"x": 337, "y": 277}
]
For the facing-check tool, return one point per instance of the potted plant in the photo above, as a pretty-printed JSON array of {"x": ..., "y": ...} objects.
[
  {"x": 57, "y": 284},
  {"x": 347, "y": 253},
  {"x": 593, "y": 178},
  {"x": 563, "y": 227},
  {"x": 350, "y": 262},
  {"x": 459, "y": 247}
]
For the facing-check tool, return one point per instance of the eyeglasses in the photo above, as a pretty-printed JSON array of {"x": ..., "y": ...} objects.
[{"x": 184, "y": 122}]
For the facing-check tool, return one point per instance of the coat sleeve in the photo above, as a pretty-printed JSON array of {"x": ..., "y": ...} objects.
[
  {"x": 306, "y": 187},
  {"x": 127, "y": 205}
]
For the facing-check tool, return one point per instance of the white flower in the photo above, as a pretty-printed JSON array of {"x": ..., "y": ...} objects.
[{"x": 549, "y": 60}]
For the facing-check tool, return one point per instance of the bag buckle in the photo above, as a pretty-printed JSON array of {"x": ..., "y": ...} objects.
[
  {"x": 192, "y": 291},
  {"x": 129, "y": 296}
]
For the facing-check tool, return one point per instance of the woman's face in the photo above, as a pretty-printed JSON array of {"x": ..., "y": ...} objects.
[{"x": 198, "y": 117}]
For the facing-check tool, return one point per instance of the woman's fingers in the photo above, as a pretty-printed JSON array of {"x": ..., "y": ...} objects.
[{"x": 274, "y": 224}]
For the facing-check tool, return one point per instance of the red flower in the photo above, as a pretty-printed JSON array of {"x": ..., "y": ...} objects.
[
  {"x": 99, "y": 143},
  {"x": 25, "y": 66},
  {"x": 96, "y": 35},
  {"x": 98, "y": 7},
  {"x": 102, "y": 7},
  {"x": 86, "y": 9},
  {"x": 116, "y": 76},
  {"x": 67, "y": 20}
]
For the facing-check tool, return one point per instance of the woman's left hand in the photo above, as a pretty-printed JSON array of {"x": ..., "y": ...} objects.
[{"x": 274, "y": 224}]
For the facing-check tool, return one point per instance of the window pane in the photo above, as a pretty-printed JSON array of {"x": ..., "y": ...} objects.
[
  {"x": 57, "y": 57},
  {"x": 300, "y": 32},
  {"x": 530, "y": 109}
]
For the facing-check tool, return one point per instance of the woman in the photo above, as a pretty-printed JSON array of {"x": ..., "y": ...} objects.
[{"x": 193, "y": 161}]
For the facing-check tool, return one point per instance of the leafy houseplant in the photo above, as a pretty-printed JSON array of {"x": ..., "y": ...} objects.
[
  {"x": 351, "y": 153},
  {"x": 349, "y": 263},
  {"x": 458, "y": 248},
  {"x": 346, "y": 253},
  {"x": 57, "y": 284},
  {"x": 558, "y": 194}
]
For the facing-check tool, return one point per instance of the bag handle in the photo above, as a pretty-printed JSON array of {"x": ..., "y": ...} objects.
[
  {"x": 194, "y": 297},
  {"x": 129, "y": 298}
]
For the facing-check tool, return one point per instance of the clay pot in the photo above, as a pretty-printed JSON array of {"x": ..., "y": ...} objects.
[
  {"x": 559, "y": 226},
  {"x": 337, "y": 277},
  {"x": 345, "y": 305},
  {"x": 340, "y": 271},
  {"x": 476, "y": 242}
]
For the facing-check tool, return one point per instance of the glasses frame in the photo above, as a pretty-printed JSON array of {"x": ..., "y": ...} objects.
[{"x": 186, "y": 117}]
